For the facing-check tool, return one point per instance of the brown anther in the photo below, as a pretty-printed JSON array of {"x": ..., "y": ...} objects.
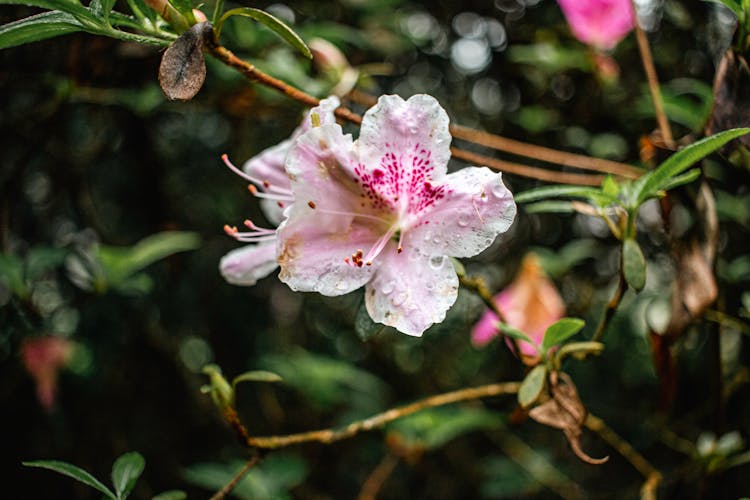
[
  {"x": 253, "y": 190},
  {"x": 249, "y": 224},
  {"x": 311, "y": 204},
  {"x": 230, "y": 230},
  {"x": 281, "y": 205},
  {"x": 266, "y": 184},
  {"x": 400, "y": 249}
]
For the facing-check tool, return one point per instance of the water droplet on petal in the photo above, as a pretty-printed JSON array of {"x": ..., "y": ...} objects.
[
  {"x": 463, "y": 220},
  {"x": 427, "y": 236},
  {"x": 388, "y": 287},
  {"x": 437, "y": 262},
  {"x": 398, "y": 299},
  {"x": 499, "y": 190},
  {"x": 341, "y": 286}
]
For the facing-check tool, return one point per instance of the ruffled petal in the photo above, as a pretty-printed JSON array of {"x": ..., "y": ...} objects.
[
  {"x": 312, "y": 257},
  {"x": 475, "y": 208},
  {"x": 411, "y": 291},
  {"x": 415, "y": 132},
  {"x": 248, "y": 264}
]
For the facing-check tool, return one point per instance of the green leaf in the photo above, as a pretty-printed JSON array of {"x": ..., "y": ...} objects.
[
  {"x": 72, "y": 471},
  {"x": 561, "y": 330},
  {"x": 184, "y": 7},
  {"x": 578, "y": 350},
  {"x": 126, "y": 471},
  {"x": 556, "y": 206},
  {"x": 431, "y": 429},
  {"x": 70, "y": 6},
  {"x": 649, "y": 184},
  {"x": 39, "y": 27},
  {"x": 681, "y": 179},
  {"x": 610, "y": 186},
  {"x": 514, "y": 333},
  {"x": 120, "y": 263},
  {"x": 633, "y": 264},
  {"x": 565, "y": 191},
  {"x": 732, "y": 5},
  {"x": 256, "y": 376},
  {"x": 171, "y": 495},
  {"x": 11, "y": 273},
  {"x": 272, "y": 23},
  {"x": 532, "y": 386}
]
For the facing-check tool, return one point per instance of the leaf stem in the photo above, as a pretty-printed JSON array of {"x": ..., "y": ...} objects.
[{"x": 377, "y": 477}]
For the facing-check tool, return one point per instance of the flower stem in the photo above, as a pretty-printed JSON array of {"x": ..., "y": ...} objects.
[
  {"x": 379, "y": 475},
  {"x": 653, "y": 85}
]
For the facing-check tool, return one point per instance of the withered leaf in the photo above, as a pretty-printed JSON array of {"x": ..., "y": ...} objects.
[
  {"x": 565, "y": 411},
  {"x": 183, "y": 69},
  {"x": 731, "y": 107}
]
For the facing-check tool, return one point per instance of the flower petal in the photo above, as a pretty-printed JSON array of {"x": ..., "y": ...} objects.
[
  {"x": 411, "y": 291},
  {"x": 248, "y": 264},
  {"x": 475, "y": 209},
  {"x": 312, "y": 256},
  {"x": 412, "y": 130}
]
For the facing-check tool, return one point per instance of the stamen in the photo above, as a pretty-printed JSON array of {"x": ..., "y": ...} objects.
[
  {"x": 379, "y": 246},
  {"x": 258, "y": 182},
  {"x": 311, "y": 204},
  {"x": 400, "y": 247}
]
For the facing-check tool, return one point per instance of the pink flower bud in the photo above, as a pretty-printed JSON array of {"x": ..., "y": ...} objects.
[{"x": 43, "y": 358}]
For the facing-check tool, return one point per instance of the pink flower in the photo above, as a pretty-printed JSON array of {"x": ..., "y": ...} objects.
[
  {"x": 248, "y": 264},
  {"x": 383, "y": 212},
  {"x": 601, "y": 23},
  {"x": 43, "y": 358},
  {"x": 530, "y": 303}
]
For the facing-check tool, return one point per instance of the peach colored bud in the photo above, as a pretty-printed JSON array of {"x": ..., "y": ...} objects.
[
  {"x": 43, "y": 358},
  {"x": 600, "y": 23}
]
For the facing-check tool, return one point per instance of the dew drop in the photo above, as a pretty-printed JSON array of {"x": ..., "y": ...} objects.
[
  {"x": 463, "y": 220},
  {"x": 388, "y": 287},
  {"x": 398, "y": 299},
  {"x": 341, "y": 286},
  {"x": 427, "y": 236},
  {"x": 499, "y": 190},
  {"x": 437, "y": 262},
  {"x": 436, "y": 240}
]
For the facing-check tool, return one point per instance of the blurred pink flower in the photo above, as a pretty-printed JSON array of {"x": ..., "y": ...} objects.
[
  {"x": 530, "y": 303},
  {"x": 43, "y": 358},
  {"x": 601, "y": 23}
]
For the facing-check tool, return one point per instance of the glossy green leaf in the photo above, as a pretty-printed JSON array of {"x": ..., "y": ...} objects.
[
  {"x": 633, "y": 264},
  {"x": 184, "y": 7},
  {"x": 39, "y": 27},
  {"x": 272, "y": 22},
  {"x": 561, "y": 330},
  {"x": 682, "y": 179},
  {"x": 649, "y": 184},
  {"x": 126, "y": 471},
  {"x": 532, "y": 386},
  {"x": 72, "y": 471}
]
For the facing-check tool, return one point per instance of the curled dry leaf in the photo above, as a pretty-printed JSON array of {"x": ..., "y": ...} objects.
[
  {"x": 731, "y": 95},
  {"x": 183, "y": 69},
  {"x": 565, "y": 411}
]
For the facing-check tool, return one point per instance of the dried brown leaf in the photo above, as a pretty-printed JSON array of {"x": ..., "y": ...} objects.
[{"x": 183, "y": 69}]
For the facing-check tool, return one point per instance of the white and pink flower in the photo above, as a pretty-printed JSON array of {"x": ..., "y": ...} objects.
[
  {"x": 382, "y": 212},
  {"x": 269, "y": 182}
]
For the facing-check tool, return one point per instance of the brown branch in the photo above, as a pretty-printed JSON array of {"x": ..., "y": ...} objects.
[
  {"x": 254, "y": 74},
  {"x": 379, "y": 475},
  {"x": 653, "y": 85},
  {"x": 227, "y": 489},
  {"x": 328, "y": 436},
  {"x": 527, "y": 150},
  {"x": 638, "y": 461}
]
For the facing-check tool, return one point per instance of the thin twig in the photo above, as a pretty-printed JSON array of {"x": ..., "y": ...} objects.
[
  {"x": 526, "y": 150},
  {"x": 653, "y": 85},
  {"x": 612, "y": 305},
  {"x": 327, "y": 436},
  {"x": 227, "y": 489},
  {"x": 379, "y": 475},
  {"x": 638, "y": 461},
  {"x": 254, "y": 74}
]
